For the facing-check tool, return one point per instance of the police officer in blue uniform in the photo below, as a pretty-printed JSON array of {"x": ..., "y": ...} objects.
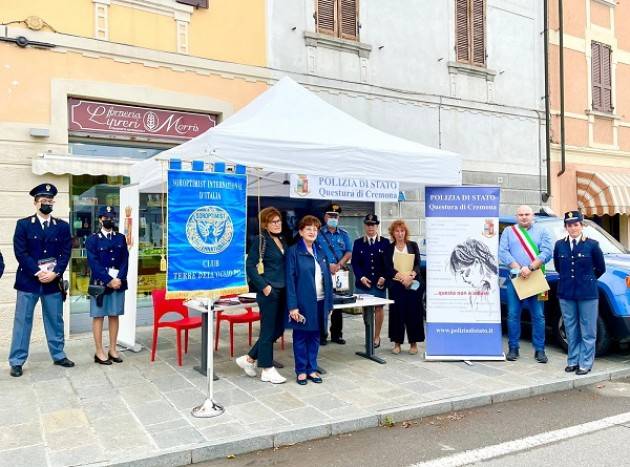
[
  {"x": 42, "y": 246},
  {"x": 336, "y": 244},
  {"x": 368, "y": 264},
  {"x": 579, "y": 262},
  {"x": 108, "y": 258}
]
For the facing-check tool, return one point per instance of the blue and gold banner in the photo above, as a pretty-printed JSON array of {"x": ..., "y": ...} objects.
[{"x": 207, "y": 214}]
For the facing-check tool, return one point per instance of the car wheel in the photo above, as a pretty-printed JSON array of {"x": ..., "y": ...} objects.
[{"x": 604, "y": 341}]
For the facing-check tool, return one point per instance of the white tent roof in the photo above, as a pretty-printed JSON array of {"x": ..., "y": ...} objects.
[{"x": 288, "y": 129}]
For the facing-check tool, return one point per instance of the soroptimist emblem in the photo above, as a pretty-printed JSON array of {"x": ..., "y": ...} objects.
[
  {"x": 151, "y": 121},
  {"x": 209, "y": 230}
]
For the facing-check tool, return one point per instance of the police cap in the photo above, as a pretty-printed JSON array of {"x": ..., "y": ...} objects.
[
  {"x": 371, "y": 219},
  {"x": 106, "y": 211},
  {"x": 47, "y": 190},
  {"x": 573, "y": 216},
  {"x": 333, "y": 208}
]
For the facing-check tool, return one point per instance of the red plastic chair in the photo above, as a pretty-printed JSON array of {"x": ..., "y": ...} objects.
[
  {"x": 162, "y": 306},
  {"x": 250, "y": 316}
]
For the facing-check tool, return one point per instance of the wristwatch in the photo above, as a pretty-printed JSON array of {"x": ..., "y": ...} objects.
[{"x": 531, "y": 268}]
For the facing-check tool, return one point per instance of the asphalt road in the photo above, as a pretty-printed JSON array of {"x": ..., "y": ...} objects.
[{"x": 583, "y": 427}]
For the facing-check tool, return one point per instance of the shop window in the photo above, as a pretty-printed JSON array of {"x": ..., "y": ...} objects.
[
  {"x": 470, "y": 31},
  {"x": 339, "y": 18}
]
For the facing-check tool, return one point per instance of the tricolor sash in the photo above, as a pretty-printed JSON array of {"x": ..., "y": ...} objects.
[{"x": 531, "y": 249}]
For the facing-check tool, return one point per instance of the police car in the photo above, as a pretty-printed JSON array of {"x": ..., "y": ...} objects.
[{"x": 613, "y": 324}]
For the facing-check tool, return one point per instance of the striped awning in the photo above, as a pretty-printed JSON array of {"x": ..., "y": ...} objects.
[
  {"x": 600, "y": 193},
  {"x": 60, "y": 164}
]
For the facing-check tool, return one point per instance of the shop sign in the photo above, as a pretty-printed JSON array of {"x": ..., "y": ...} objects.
[
  {"x": 127, "y": 120},
  {"x": 343, "y": 188}
]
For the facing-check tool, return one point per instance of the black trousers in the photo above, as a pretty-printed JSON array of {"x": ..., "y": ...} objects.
[
  {"x": 405, "y": 314},
  {"x": 273, "y": 314},
  {"x": 336, "y": 326}
]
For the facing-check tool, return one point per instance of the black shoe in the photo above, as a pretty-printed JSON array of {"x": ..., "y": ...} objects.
[
  {"x": 277, "y": 364},
  {"x": 540, "y": 356},
  {"x": 512, "y": 354},
  {"x": 323, "y": 342},
  {"x": 582, "y": 371},
  {"x": 315, "y": 379},
  {"x": 302, "y": 382},
  {"x": 377, "y": 344},
  {"x": 16, "y": 371},
  {"x": 570, "y": 368},
  {"x": 338, "y": 340},
  {"x": 114, "y": 359},
  {"x": 65, "y": 362},
  {"x": 102, "y": 362}
]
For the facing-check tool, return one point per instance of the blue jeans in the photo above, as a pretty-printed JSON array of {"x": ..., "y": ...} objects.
[
  {"x": 536, "y": 312},
  {"x": 580, "y": 323},
  {"x": 52, "y": 311}
]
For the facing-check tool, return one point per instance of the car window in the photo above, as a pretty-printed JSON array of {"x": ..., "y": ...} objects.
[{"x": 606, "y": 242}]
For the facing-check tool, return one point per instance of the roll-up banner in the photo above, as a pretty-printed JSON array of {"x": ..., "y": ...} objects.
[
  {"x": 207, "y": 212},
  {"x": 462, "y": 294}
]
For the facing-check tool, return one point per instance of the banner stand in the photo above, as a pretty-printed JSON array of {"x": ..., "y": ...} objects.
[{"x": 209, "y": 408}]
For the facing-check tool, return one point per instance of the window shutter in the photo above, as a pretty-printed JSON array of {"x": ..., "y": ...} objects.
[
  {"x": 605, "y": 53},
  {"x": 596, "y": 75},
  {"x": 349, "y": 12},
  {"x": 326, "y": 17},
  {"x": 461, "y": 30},
  {"x": 478, "y": 32}
]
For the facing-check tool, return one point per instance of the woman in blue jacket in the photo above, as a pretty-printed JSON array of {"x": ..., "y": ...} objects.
[{"x": 309, "y": 298}]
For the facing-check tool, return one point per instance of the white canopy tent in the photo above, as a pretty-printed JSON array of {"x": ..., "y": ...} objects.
[{"x": 288, "y": 130}]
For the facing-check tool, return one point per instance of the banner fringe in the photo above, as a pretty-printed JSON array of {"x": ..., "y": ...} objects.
[{"x": 215, "y": 293}]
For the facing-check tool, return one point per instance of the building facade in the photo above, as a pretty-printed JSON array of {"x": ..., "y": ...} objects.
[
  {"x": 460, "y": 75},
  {"x": 595, "y": 174},
  {"x": 90, "y": 86}
]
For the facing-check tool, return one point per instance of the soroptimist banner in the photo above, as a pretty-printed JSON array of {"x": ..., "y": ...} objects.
[
  {"x": 343, "y": 188},
  {"x": 206, "y": 234},
  {"x": 463, "y": 302}
]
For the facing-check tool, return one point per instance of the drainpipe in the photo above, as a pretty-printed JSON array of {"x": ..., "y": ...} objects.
[
  {"x": 562, "y": 143},
  {"x": 547, "y": 194}
]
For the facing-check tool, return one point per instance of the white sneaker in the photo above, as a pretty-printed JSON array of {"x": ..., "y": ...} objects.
[
  {"x": 271, "y": 375},
  {"x": 248, "y": 368}
]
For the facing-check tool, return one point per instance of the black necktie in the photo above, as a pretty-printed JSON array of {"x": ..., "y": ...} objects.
[
  {"x": 45, "y": 225},
  {"x": 573, "y": 244},
  {"x": 371, "y": 241},
  {"x": 109, "y": 236}
]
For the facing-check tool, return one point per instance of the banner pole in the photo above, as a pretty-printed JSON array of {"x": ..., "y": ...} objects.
[{"x": 209, "y": 408}]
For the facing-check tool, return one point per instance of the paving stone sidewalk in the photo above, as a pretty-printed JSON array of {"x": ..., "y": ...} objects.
[{"x": 138, "y": 412}]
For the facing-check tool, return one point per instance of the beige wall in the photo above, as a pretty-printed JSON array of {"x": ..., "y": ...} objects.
[{"x": 594, "y": 141}]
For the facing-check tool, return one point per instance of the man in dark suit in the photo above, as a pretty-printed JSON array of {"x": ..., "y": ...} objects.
[
  {"x": 42, "y": 246},
  {"x": 579, "y": 262}
]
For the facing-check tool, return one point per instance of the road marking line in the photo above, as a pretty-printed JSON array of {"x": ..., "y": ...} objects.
[{"x": 510, "y": 447}]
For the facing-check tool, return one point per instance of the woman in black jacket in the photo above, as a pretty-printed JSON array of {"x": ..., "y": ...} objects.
[
  {"x": 405, "y": 288},
  {"x": 266, "y": 271}
]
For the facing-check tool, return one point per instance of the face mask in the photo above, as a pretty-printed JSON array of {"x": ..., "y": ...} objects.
[
  {"x": 108, "y": 224},
  {"x": 45, "y": 209},
  {"x": 332, "y": 223}
]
